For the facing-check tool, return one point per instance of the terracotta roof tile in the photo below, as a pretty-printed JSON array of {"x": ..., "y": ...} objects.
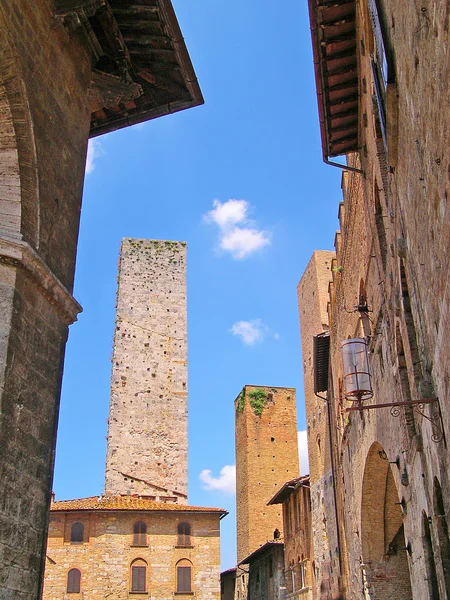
[{"x": 127, "y": 503}]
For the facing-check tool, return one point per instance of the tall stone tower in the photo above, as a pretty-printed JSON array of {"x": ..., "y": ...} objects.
[
  {"x": 147, "y": 433},
  {"x": 312, "y": 305},
  {"x": 266, "y": 457},
  {"x": 312, "y": 292}
]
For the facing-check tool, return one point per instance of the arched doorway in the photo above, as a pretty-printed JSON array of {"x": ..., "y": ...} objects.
[{"x": 384, "y": 548}]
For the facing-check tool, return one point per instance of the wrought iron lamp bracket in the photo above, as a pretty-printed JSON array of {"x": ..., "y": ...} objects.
[{"x": 435, "y": 418}]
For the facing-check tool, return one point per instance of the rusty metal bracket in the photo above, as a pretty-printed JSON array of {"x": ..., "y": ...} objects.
[{"x": 418, "y": 407}]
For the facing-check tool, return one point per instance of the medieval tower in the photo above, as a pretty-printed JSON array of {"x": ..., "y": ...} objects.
[
  {"x": 313, "y": 299},
  {"x": 266, "y": 457},
  {"x": 147, "y": 433}
]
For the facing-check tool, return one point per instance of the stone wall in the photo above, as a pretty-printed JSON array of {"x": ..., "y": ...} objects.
[
  {"x": 266, "y": 456},
  {"x": 266, "y": 574},
  {"x": 392, "y": 253},
  {"x": 298, "y": 543},
  {"x": 107, "y": 553},
  {"x": 313, "y": 299},
  {"x": 44, "y": 125},
  {"x": 147, "y": 434}
]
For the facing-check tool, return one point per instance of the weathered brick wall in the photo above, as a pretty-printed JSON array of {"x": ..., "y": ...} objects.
[
  {"x": 147, "y": 434},
  {"x": 266, "y": 457},
  {"x": 44, "y": 125},
  {"x": 105, "y": 557}
]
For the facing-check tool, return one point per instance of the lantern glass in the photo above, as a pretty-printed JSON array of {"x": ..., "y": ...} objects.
[{"x": 357, "y": 384}]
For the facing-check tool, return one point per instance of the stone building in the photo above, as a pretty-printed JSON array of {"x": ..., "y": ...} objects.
[
  {"x": 69, "y": 69},
  {"x": 294, "y": 496},
  {"x": 266, "y": 453},
  {"x": 382, "y": 76},
  {"x": 141, "y": 538},
  {"x": 313, "y": 300},
  {"x": 228, "y": 584},
  {"x": 266, "y": 579},
  {"x": 148, "y": 425},
  {"x": 132, "y": 546}
]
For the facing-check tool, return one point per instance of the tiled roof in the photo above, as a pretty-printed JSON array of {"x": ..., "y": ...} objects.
[
  {"x": 267, "y": 546},
  {"x": 111, "y": 503},
  {"x": 286, "y": 490}
]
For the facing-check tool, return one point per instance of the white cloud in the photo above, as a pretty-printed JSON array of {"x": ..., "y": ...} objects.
[
  {"x": 94, "y": 151},
  {"x": 237, "y": 234},
  {"x": 303, "y": 452},
  {"x": 250, "y": 332},
  {"x": 227, "y": 214},
  {"x": 240, "y": 242},
  {"x": 276, "y": 336},
  {"x": 226, "y": 482}
]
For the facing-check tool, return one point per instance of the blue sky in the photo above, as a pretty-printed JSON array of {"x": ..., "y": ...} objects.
[{"x": 256, "y": 141}]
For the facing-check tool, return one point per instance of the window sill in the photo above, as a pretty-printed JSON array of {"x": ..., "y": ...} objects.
[
  {"x": 139, "y": 545},
  {"x": 138, "y": 593},
  {"x": 184, "y": 547},
  {"x": 184, "y": 593}
]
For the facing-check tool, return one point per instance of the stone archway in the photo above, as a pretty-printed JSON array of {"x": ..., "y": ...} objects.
[{"x": 384, "y": 548}]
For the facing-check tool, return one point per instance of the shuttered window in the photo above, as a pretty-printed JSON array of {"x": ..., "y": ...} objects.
[
  {"x": 77, "y": 532},
  {"x": 140, "y": 534},
  {"x": 138, "y": 578},
  {"x": 184, "y": 534},
  {"x": 73, "y": 581},
  {"x": 183, "y": 579}
]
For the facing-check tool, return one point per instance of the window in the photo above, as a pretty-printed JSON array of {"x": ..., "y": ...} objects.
[
  {"x": 73, "y": 581},
  {"x": 184, "y": 534},
  {"x": 184, "y": 576},
  {"x": 77, "y": 532},
  {"x": 382, "y": 64},
  {"x": 139, "y": 534},
  {"x": 138, "y": 575}
]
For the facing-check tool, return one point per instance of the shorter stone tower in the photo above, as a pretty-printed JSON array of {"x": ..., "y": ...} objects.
[
  {"x": 147, "y": 433},
  {"x": 266, "y": 457}
]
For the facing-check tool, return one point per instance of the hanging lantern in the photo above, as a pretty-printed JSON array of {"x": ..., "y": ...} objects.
[{"x": 357, "y": 384}]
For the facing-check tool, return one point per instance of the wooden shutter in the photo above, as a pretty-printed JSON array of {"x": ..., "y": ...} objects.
[
  {"x": 138, "y": 576},
  {"x": 184, "y": 534},
  {"x": 77, "y": 532},
  {"x": 183, "y": 579},
  {"x": 73, "y": 581},
  {"x": 140, "y": 534}
]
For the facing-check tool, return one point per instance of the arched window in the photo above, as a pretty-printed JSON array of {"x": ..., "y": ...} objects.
[
  {"x": 140, "y": 534},
  {"x": 184, "y": 534},
  {"x": 73, "y": 581},
  {"x": 184, "y": 576},
  {"x": 77, "y": 532},
  {"x": 138, "y": 575}
]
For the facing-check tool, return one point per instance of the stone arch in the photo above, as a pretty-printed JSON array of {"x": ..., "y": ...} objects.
[
  {"x": 384, "y": 549},
  {"x": 428, "y": 554},
  {"x": 19, "y": 187},
  {"x": 440, "y": 518}
]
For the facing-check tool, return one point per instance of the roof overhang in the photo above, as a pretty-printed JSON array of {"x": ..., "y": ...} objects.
[
  {"x": 333, "y": 33},
  {"x": 141, "y": 66},
  {"x": 267, "y": 547},
  {"x": 286, "y": 490}
]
